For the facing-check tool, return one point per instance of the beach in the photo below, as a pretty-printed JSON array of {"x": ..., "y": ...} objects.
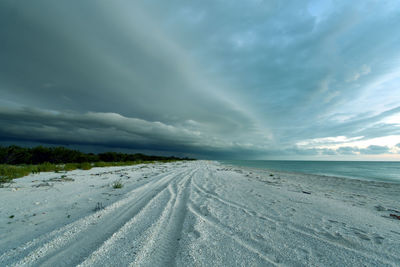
[{"x": 197, "y": 213}]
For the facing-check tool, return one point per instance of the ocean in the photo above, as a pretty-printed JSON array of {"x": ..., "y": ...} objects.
[{"x": 363, "y": 170}]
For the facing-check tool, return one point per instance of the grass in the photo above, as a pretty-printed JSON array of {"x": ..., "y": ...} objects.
[
  {"x": 70, "y": 167},
  {"x": 10, "y": 172},
  {"x": 84, "y": 166},
  {"x": 120, "y": 163}
]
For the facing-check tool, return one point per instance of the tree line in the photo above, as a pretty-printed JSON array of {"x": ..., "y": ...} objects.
[{"x": 58, "y": 155}]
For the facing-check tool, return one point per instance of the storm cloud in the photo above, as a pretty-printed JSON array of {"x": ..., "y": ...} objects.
[{"x": 216, "y": 79}]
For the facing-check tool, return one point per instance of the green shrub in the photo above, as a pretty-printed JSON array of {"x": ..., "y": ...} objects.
[
  {"x": 9, "y": 172},
  {"x": 100, "y": 164},
  {"x": 70, "y": 167},
  {"x": 46, "y": 167},
  {"x": 117, "y": 185},
  {"x": 84, "y": 166}
]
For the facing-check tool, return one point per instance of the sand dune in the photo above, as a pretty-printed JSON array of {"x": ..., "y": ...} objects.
[{"x": 197, "y": 213}]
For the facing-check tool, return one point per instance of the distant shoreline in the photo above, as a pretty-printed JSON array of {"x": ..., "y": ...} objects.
[{"x": 380, "y": 171}]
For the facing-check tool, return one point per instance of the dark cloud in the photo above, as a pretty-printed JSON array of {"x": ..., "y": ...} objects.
[{"x": 112, "y": 130}]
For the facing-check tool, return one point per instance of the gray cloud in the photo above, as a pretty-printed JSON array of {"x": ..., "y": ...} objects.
[
  {"x": 348, "y": 150},
  {"x": 368, "y": 126},
  {"x": 375, "y": 150},
  {"x": 113, "y": 130},
  {"x": 212, "y": 78},
  {"x": 370, "y": 150}
]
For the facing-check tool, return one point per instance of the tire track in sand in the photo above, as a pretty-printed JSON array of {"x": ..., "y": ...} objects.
[
  {"x": 163, "y": 239},
  {"x": 74, "y": 242}
]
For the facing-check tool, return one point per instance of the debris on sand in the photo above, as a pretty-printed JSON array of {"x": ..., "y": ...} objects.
[
  {"x": 62, "y": 179},
  {"x": 395, "y": 216},
  {"x": 42, "y": 185}
]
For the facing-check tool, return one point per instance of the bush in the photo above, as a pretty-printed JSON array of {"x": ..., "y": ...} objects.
[
  {"x": 17, "y": 161},
  {"x": 117, "y": 185},
  {"x": 7, "y": 172},
  {"x": 70, "y": 167},
  {"x": 100, "y": 164},
  {"x": 60, "y": 155},
  {"x": 46, "y": 167},
  {"x": 84, "y": 166}
]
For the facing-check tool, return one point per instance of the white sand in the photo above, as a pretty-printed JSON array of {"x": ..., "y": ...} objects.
[{"x": 198, "y": 214}]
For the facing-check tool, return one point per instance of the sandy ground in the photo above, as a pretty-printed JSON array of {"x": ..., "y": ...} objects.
[{"x": 197, "y": 213}]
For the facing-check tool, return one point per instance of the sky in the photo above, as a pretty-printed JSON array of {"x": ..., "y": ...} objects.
[{"x": 217, "y": 79}]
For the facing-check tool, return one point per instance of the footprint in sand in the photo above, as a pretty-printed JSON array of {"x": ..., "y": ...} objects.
[
  {"x": 361, "y": 234},
  {"x": 378, "y": 239},
  {"x": 204, "y": 210}
]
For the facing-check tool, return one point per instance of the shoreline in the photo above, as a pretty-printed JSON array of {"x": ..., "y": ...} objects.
[
  {"x": 336, "y": 175},
  {"x": 267, "y": 170}
]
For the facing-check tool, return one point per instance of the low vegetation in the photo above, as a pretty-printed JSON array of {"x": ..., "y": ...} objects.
[
  {"x": 117, "y": 185},
  {"x": 60, "y": 155},
  {"x": 17, "y": 161}
]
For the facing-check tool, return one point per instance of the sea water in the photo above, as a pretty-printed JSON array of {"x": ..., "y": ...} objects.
[{"x": 365, "y": 170}]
